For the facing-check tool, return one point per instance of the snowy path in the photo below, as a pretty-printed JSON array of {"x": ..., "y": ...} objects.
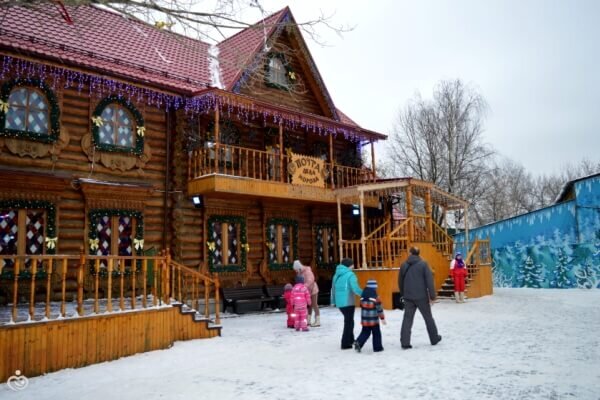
[{"x": 517, "y": 344}]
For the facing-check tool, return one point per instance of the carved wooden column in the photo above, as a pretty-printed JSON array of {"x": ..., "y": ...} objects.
[
  {"x": 217, "y": 140},
  {"x": 411, "y": 236},
  {"x": 429, "y": 218},
  {"x": 281, "y": 172},
  {"x": 373, "y": 160},
  {"x": 340, "y": 236},
  {"x": 331, "y": 161},
  {"x": 363, "y": 244}
]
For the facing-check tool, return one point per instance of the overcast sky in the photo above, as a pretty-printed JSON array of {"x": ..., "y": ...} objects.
[{"x": 535, "y": 62}]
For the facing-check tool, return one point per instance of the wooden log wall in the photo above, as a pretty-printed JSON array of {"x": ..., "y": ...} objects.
[
  {"x": 42, "y": 347},
  {"x": 482, "y": 284},
  {"x": 76, "y": 108}
]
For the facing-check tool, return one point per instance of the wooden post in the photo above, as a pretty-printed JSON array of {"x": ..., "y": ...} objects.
[
  {"x": 217, "y": 301},
  {"x": 217, "y": 140},
  {"x": 15, "y": 289},
  {"x": 167, "y": 293},
  {"x": 331, "y": 161},
  {"x": 109, "y": 284},
  {"x": 63, "y": 283},
  {"x": 80, "y": 282},
  {"x": 411, "y": 235},
  {"x": 373, "y": 160},
  {"x": 340, "y": 236},
  {"x": 34, "y": 263},
  {"x": 362, "y": 230},
  {"x": 48, "y": 287},
  {"x": 429, "y": 217},
  {"x": 281, "y": 174},
  {"x": 466, "y": 228}
]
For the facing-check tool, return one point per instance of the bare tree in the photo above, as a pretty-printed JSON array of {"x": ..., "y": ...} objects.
[
  {"x": 440, "y": 140},
  {"x": 546, "y": 188}
]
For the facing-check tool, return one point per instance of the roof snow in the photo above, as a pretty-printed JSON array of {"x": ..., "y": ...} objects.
[{"x": 215, "y": 68}]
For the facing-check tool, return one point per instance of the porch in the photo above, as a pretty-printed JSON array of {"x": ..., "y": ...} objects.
[{"x": 63, "y": 311}]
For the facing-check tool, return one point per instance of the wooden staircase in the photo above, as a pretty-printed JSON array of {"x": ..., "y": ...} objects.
[{"x": 478, "y": 256}]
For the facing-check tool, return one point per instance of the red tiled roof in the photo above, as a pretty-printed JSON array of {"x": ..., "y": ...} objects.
[
  {"x": 103, "y": 39},
  {"x": 346, "y": 119},
  {"x": 238, "y": 50}
]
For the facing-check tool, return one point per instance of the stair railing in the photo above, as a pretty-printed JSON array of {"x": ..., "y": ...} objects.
[
  {"x": 441, "y": 240},
  {"x": 187, "y": 286}
]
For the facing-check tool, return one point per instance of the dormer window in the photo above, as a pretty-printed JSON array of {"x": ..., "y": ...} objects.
[{"x": 277, "y": 72}]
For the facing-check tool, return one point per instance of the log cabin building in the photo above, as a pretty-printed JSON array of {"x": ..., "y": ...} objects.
[{"x": 137, "y": 163}]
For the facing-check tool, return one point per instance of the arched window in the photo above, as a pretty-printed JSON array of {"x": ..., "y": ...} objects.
[
  {"x": 118, "y": 126},
  {"x": 28, "y": 109}
]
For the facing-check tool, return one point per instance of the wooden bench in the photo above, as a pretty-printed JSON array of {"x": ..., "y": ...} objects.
[
  {"x": 276, "y": 292},
  {"x": 250, "y": 297}
]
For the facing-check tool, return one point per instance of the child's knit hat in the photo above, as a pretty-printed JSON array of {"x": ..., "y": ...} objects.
[
  {"x": 299, "y": 279},
  {"x": 372, "y": 283},
  {"x": 297, "y": 265},
  {"x": 287, "y": 287}
]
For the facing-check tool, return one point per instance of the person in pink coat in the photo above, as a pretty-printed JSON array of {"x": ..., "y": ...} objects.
[
  {"x": 309, "y": 281},
  {"x": 458, "y": 270},
  {"x": 289, "y": 309},
  {"x": 300, "y": 302}
]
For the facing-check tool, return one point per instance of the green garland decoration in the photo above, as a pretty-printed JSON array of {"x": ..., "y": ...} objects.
[
  {"x": 318, "y": 257},
  {"x": 54, "y": 125},
  {"x": 94, "y": 217},
  {"x": 289, "y": 72},
  {"x": 139, "y": 121},
  {"x": 241, "y": 221},
  {"x": 271, "y": 251},
  {"x": 25, "y": 274}
]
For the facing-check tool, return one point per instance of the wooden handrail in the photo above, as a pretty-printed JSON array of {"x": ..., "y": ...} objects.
[
  {"x": 385, "y": 224},
  {"x": 446, "y": 243},
  {"x": 397, "y": 229},
  {"x": 102, "y": 282}
]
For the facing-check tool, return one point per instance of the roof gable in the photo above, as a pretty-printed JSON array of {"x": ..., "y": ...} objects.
[{"x": 247, "y": 51}]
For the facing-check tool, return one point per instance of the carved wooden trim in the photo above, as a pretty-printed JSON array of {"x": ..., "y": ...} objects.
[
  {"x": 117, "y": 195},
  {"x": 29, "y": 148},
  {"x": 21, "y": 185},
  {"x": 115, "y": 161}
]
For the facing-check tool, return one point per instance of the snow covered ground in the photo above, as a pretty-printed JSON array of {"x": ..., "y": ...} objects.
[{"x": 517, "y": 344}]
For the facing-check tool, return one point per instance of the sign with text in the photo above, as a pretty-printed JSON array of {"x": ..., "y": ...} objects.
[{"x": 307, "y": 170}]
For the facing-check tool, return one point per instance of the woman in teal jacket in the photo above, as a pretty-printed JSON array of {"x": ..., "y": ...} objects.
[{"x": 343, "y": 288}]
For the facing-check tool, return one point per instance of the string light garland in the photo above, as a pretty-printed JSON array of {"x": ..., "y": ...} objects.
[
  {"x": 54, "y": 111},
  {"x": 243, "y": 108},
  {"x": 272, "y": 249},
  {"x": 212, "y": 247}
]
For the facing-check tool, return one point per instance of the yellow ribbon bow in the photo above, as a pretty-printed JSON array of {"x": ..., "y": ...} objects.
[
  {"x": 51, "y": 242},
  {"x": 292, "y": 75},
  {"x": 138, "y": 244},
  {"x": 4, "y": 106},
  {"x": 163, "y": 24},
  {"x": 94, "y": 244},
  {"x": 141, "y": 130},
  {"x": 270, "y": 245},
  {"x": 211, "y": 246},
  {"x": 98, "y": 121},
  {"x": 246, "y": 247}
]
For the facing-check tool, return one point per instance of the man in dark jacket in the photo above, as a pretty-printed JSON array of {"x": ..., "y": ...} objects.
[{"x": 416, "y": 286}]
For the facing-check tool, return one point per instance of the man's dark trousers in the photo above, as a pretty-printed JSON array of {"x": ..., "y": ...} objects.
[{"x": 410, "y": 308}]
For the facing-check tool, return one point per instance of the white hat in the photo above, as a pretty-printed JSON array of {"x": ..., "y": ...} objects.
[{"x": 297, "y": 265}]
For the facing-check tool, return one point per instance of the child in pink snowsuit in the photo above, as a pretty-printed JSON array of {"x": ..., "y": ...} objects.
[
  {"x": 289, "y": 309},
  {"x": 300, "y": 303}
]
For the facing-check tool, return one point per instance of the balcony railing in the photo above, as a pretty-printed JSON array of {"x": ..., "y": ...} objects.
[{"x": 263, "y": 165}]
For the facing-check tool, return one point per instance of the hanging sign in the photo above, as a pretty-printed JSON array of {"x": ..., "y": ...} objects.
[{"x": 307, "y": 170}]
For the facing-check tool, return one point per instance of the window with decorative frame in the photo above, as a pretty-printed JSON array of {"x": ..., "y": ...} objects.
[
  {"x": 282, "y": 243},
  {"x": 29, "y": 110},
  {"x": 26, "y": 228},
  {"x": 117, "y": 126},
  {"x": 278, "y": 73},
  {"x": 227, "y": 244},
  {"x": 115, "y": 233},
  {"x": 326, "y": 239}
]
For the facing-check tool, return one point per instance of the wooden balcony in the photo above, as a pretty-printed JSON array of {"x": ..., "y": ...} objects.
[{"x": 234, "y": 169}]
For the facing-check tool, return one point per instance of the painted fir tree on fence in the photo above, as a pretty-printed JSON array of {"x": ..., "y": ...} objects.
[
  {"x": 587, "y": 277},
  {"x": 532, "y": 276},
  {"x": 560, "y": 276}
]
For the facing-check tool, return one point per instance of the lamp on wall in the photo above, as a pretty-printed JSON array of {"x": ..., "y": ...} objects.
[
  {"x": 355, "y": 209},
  {"x": 198, "y": 201}
]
